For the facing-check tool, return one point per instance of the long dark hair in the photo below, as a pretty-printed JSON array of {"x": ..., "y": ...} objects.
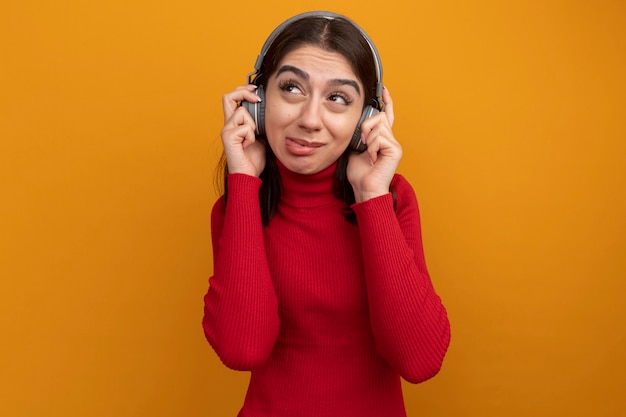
[{"x": 334, "y": 35}]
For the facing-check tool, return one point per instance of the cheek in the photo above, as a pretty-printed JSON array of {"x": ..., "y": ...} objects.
[
  {"x": 276, "y": 119},
  {"x": 343, "y": 128},
  {"x": 277, "y": 116}
]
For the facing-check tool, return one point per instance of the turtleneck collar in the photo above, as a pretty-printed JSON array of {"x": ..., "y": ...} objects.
[{"x": 315, "y": 190}]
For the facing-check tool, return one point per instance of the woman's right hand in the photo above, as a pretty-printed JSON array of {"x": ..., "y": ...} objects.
[{"x": 244, "y": 154}]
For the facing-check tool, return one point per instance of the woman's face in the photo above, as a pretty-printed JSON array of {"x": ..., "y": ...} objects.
[{"x": 313, "y": 102}]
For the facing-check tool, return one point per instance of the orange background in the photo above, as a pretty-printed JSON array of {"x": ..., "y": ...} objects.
[{"x": 512, "y": 117}]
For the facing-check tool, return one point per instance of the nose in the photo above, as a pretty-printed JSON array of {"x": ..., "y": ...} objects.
[{"x": 311, "y": 116}]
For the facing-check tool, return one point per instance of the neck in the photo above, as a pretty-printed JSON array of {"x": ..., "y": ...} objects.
[{"x": 314, "y": 190}]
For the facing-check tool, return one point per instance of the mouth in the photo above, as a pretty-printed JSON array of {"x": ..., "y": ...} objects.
[
  {"x": 304, "y": 142},
  {"x": 302, "y": 147}
]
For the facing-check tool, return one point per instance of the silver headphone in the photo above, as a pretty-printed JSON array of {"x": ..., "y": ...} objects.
[{"x": 257, "y": 110}]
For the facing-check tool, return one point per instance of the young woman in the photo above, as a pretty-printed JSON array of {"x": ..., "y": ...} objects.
[{"x": 320, "y": 286}]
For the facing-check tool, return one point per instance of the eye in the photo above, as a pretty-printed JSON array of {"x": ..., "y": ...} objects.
[
  {"x": 289, "y": 87},
  {"x": 340, "y": 98}
]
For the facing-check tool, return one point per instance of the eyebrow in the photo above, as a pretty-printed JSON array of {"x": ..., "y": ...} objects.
[{"x": 336, "y": 81}]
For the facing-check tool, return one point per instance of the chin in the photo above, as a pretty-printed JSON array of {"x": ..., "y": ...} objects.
[{"x": 303, "y": 167}]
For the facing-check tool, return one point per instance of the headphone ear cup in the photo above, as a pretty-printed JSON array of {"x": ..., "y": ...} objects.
[
  {"x": 257, "y": 111},
  {"x": 355, "y": 143}
]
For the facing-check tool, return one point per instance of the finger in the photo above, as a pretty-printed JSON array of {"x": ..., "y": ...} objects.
[
  {"x": 240, "y": 117},
  {"x": 380, "y": 141},
  {"x": 368, "y": 125},
  {"x": 236, "y": 140},
  {"x": 388, "y": 106},
  {"x": 231, "y": 101},
  {"x": 243, "y": 127},
  {"x": 246, "y": 135},
  {"x": 373, "y": 143}
]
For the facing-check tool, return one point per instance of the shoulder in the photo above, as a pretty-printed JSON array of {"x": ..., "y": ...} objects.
[
  {"x": 219, "y": 209},
  {"x": 405, "y": 202},
  {"x": 219, "y": 204},
  {"x": 400, "y": 182},
  {"x": 403, "y": 191}
]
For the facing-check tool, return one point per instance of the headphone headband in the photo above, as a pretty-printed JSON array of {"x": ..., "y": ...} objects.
[{"x": 330, "y": 16}]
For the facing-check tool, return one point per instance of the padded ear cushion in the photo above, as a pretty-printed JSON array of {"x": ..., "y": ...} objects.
[
  {"x": 356, "y": 143},
  {"x": 257, "y": 111}
]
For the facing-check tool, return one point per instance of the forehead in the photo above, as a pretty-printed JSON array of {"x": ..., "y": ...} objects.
[{"x": 319, "y": 62}]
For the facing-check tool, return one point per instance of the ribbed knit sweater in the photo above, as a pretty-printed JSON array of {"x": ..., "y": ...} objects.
[{"x": 327, "y": 315}]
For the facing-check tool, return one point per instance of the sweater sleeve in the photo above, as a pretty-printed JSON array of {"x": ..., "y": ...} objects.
[
  {"x": 240, "y": 308},
  {"x": 409, "y": 322}
]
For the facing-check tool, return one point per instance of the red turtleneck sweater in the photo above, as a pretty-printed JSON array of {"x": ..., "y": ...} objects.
[{"x": 327, "y": 315}]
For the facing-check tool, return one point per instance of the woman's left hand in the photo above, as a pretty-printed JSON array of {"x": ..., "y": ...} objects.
[{"x": 370, "y": 173}]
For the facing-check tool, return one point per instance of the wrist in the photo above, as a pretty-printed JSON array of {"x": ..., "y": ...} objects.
[{"x": 361, "y": 196}]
